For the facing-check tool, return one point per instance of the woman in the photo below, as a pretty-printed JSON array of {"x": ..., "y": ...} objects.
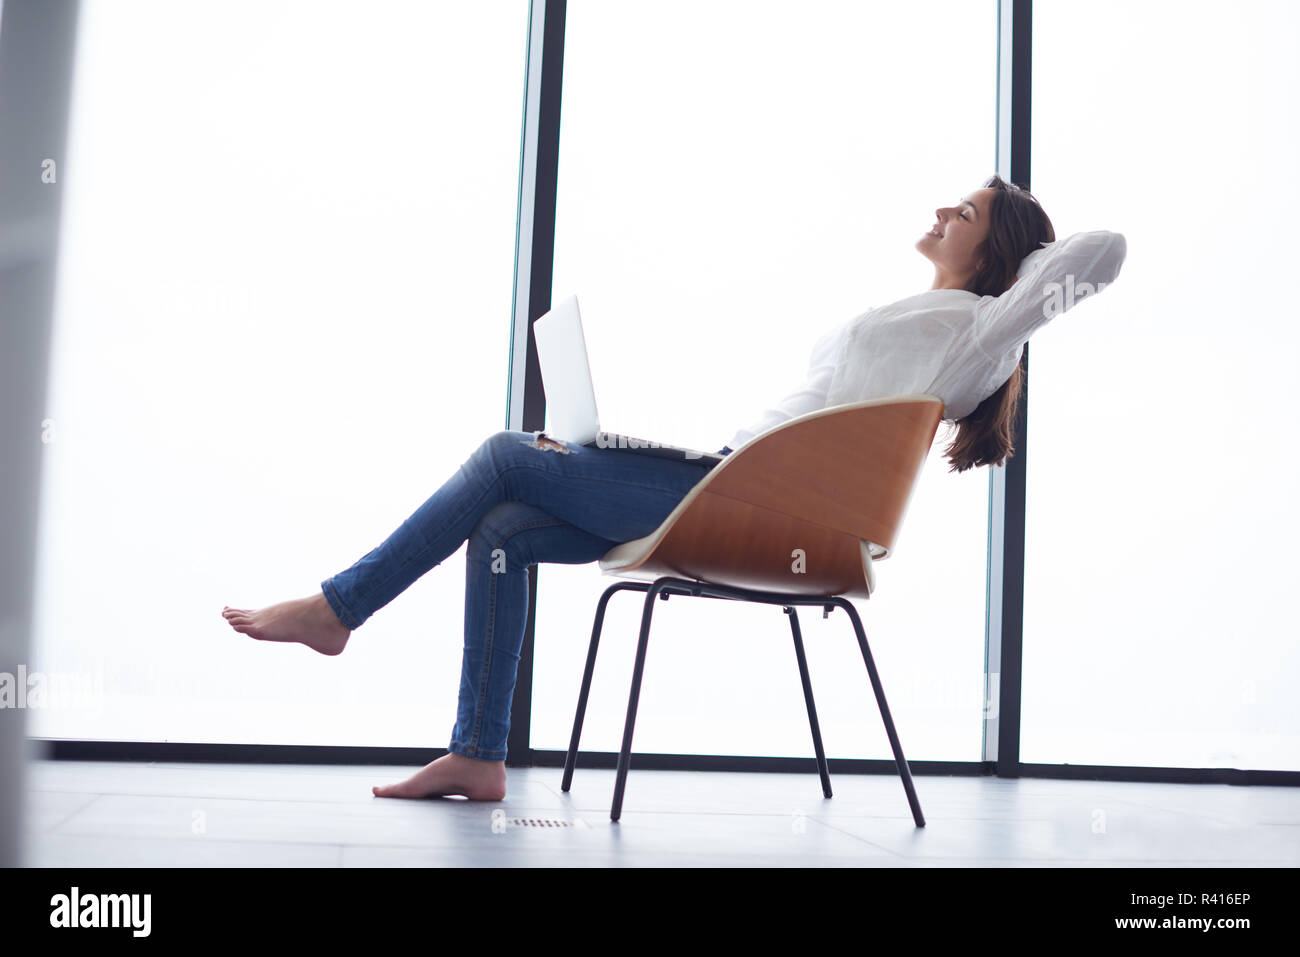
[{"x": 520, "y": 500}]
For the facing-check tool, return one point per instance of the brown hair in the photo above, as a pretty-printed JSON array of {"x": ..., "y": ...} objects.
[{"x": 1017, "y": 227}]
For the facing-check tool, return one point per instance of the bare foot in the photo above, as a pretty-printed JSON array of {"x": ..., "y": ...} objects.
[
  {"x": 310, "y": 621},
  {"x": 452, "y": 774}
]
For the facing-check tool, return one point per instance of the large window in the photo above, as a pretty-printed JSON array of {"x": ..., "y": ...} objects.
[
  {"x": 734, "y": 181},
  {"x": 1162, "y": 514},
  {"x": 282, "y": 322}
]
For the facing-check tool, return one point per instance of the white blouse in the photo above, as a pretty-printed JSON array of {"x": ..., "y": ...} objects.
[{"x": 948, "y": 342}]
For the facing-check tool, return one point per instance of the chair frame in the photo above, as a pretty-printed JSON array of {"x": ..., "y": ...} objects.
[
  {"x": 782, "y": 494},
  {"x": 666, "y": 586}
]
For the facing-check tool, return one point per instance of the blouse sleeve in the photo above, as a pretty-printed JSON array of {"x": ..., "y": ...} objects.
[
  {"x": 809, "y": 397},
  {"x": 1051, "y": 280}
]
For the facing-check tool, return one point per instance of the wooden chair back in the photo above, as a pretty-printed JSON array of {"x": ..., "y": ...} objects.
[{"x": 805, "y": 508}]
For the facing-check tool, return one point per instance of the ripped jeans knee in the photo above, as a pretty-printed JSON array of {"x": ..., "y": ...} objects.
[{"x": 543, "y": 441}]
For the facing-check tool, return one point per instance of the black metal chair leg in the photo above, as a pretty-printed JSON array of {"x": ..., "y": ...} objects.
[
  {"x": 625, "y": 755},
  {"x": 571, "y": 759},
  {"x": 903, "y": 770},
  {"x": 668, "y": 585},
  {"x": 808, "y": 698}
]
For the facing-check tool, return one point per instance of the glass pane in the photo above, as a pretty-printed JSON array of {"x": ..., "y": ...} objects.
[
  {"x": 727, "y": 194},
  {"x": 1159, "y": 628},
  {"x": 283, "y": 320}
]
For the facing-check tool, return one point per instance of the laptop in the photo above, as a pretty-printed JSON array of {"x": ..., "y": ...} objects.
[{"x": 571, "y": 397}]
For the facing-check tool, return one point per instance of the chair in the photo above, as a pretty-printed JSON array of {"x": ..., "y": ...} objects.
[{"x": 796, "y": 517}]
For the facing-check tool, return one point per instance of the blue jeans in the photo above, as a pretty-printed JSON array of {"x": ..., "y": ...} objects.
[{"x": 518, "y": 503}]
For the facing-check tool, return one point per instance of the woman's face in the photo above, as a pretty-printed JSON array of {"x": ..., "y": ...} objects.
[{"x": 951, "y": 243}]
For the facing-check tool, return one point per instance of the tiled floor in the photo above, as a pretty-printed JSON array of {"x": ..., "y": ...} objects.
[{"x": 95, "y": 813}]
